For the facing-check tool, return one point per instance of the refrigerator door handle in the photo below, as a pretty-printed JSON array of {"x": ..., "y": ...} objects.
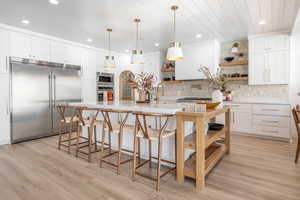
[
  {"x": 54, "y": 91},
  {"x": 49, "y": 82}
]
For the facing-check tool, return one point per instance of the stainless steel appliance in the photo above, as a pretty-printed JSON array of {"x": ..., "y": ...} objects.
[
  {"x": 105, "y": 86},
  {"x": 36, "y": 87}
]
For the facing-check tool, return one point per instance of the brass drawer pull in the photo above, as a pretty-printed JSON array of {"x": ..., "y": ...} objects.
[
  {"x": 269, "y": 109},
  {"x": 268, "y": 121}
]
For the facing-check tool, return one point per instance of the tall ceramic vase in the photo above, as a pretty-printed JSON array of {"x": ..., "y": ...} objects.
[
  {"x": 217, "y": 95},
  {"x": 142, "y": 95}
]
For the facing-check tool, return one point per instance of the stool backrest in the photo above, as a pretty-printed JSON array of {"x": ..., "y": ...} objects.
[
  {"x": 61, "y": 109},
  {"x": 141, "y": 122},
  {"x": 122, "y": 117},
  {"x": 90, "y": 119}
]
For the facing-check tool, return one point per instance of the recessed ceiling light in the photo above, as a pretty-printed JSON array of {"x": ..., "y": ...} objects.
[
  {"x": 156, "y": 44},
  {"x": 55, "y": 2},
  {"x": 89, "y": 40},
  {"x": 262, "y": 22},
  {"x": 199, "y": 35},
  {"x": 127, "y": 50},
  {"x": 25, "y": 21}
]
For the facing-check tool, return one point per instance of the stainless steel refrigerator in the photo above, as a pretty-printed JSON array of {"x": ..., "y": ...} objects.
[{"x": 36, "y": 87}]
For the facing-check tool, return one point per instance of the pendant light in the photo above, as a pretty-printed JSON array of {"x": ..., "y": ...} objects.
[
  {"x": 174, "y": 51},
  {"x": 137, "y": 54},
  {"x": 109, "y": 61}
]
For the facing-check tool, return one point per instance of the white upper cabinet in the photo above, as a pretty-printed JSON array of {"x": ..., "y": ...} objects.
[
  {"x": 269, "y": 60},
  {"x": 40, "y": 48},
  {"x": 4, "y": 51},
  {"x": 26, "y": 46},
  {"x": 89, "y": 58},
  {"x": 65, "y": 53},
  {"x": 19, "y": 45},
  {"x": 206, "y": 53}
]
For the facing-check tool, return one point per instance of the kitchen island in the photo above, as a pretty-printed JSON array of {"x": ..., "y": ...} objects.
[{"x": 196, "y": 146}]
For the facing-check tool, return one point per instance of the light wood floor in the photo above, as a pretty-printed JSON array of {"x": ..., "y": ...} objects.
[{"x": 256, "y": 169}]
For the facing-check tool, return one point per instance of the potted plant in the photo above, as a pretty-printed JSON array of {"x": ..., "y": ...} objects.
[
  {"x": 143, "y": 82},
  {"x": 218, "y": 82}
]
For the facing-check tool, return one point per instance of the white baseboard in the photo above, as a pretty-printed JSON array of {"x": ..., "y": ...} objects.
[{"x": 2, "y": 142}]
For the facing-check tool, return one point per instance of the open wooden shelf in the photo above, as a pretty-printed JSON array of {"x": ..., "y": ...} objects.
[
  {"x": 234, "y": 63},
  {"x": 172, "y": 81},
  {"x": 211, "y": 137},
  {"x": 168, "y": 69},
  {"x": 212, "y": 155},
  {"x": 237, "y": 79}
]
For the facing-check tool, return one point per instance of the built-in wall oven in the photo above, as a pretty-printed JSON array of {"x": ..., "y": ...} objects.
[{"x": 105, "y": 86}]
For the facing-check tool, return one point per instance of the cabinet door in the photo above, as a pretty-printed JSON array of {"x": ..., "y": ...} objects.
[
  {"x": 241, "y": 121},
  {"x": 89, "y": 63},
  {"x": 257, "y": 69},
  {"x": 277, "y": 43},
  {"x": 40, "y": 48},
  {"x": 257, "y": 45},
  {"x": 4, "y": 109},
  {"x": 58, "y": 52},
  {"x": 279, "y": 67},
  {"x": 20, "y": 45},
  {"x": 4, "y": 51},
  {"x": 73, "y": 54}
]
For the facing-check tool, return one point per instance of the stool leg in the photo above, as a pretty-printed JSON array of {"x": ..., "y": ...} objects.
[
  {"x": 102, "y": 145},
  {"x": 95, "y": 138},
  {"x": 90, "y": 134},
  {"x": 119, "y": 150},
  {"x": 139, "y": 150},
  {"x": 150, "y": 154},
  {"x": 69, "y": 137},
  {"x": 60, "y": 134},
  {"x": 158, "y": 164},
  {"x": 109, "y": 141},
  {"x": 77, "y": 139},
  {"x": 134, "y": 156},
  {"x": 297, "y": 151}
]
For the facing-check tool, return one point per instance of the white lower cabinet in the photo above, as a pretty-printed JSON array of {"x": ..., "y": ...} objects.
[
  {"x": 260, "y": 119},
  {"x": 4, "y": 110}
]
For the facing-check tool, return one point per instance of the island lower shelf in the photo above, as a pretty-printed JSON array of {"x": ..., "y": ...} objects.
[
  {"x": 211, "y": 136},
  {"x": 213, "y": 154}
]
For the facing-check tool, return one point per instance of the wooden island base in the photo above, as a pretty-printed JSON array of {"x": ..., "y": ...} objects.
[{"x": 207, "y": 150}]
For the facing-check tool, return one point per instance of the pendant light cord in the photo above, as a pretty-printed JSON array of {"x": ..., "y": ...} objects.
[
  {"x": 137, "y": 35},
  {"x": 174, "y": 28},
  {"x": 109, "y": 50}
]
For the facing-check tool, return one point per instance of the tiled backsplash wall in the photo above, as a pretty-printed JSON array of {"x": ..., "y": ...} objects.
[{"x": 240, "y": 88}]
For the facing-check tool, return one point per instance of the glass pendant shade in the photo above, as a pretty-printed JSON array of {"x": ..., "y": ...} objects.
[
  {"x": 174, "y": 52},
  {"x": 109, "y": 62},
  {"x": 137, "y": 57}
]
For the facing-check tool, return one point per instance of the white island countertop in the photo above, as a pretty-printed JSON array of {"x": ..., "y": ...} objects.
[{"x": 162, "y": 107}]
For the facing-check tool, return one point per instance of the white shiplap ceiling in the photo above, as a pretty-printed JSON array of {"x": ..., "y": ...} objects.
[{"x": 78, "y": 20}]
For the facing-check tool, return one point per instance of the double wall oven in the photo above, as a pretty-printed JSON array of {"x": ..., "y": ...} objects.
[{"x": 105, "y": 86}]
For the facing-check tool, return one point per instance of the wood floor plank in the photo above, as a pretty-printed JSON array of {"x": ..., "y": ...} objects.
[{"x": 256, "y": 169}]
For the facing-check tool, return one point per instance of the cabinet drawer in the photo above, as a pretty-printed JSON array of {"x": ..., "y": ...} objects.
[
  {"x": 280, "y": 110},
  {"x": 271, "y": 131},
  {"x": 273, "y": 121},
  {"x": 240, "y": 107}
]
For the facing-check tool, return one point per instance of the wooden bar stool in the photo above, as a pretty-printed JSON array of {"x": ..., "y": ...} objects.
[
  {"x": 64, "y": 122},
  {"x": 144, "y": 130},
  {"x": 114, "y": 127},
  {"x": 296, "y": 114},
  {"x": 90, "y": 123}
]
